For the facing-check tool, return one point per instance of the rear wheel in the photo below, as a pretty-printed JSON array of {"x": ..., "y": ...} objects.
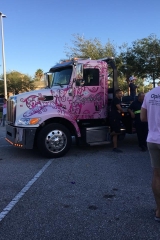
[{"x": 54, "y": 140}]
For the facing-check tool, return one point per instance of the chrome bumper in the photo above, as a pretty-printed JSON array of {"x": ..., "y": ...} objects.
[{"x": 20, "y": 137}]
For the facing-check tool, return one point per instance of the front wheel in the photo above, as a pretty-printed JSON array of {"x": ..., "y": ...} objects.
[{"x": 54, "y": 140}]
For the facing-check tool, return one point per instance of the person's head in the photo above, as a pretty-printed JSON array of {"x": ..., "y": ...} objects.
[
  {"x": 132, "y": 79},
  {"x": 118, "y": 93},
  {"x": 141, "y": 96}
]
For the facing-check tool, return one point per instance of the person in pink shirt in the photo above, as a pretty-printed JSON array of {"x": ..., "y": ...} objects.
[{"x": 150, "y": 112}]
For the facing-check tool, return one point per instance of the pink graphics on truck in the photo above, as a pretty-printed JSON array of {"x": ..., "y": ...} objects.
[{"x": 75, "y": 103}]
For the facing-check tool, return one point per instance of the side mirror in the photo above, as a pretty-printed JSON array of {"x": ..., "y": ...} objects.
[
  {"x": 79, "y": 71},
  {"x": 48, "y": 79},
  {"x": 79, "y": 75}
]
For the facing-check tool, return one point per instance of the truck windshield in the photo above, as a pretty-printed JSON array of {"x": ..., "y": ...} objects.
[{"x": 61, "y": 76}]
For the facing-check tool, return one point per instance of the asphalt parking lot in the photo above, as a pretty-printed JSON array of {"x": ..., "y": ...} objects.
[{"x": 91, "y": 193}]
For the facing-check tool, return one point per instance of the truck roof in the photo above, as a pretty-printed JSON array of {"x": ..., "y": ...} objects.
[
  {"x": 66, "y": 63},
  {"x": 59, "y": 65}
]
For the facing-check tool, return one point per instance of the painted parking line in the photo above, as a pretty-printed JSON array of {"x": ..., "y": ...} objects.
[{"x": 16, "y": 199}]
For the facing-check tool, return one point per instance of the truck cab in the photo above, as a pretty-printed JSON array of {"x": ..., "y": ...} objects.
[{"x": 75, "y": 103}]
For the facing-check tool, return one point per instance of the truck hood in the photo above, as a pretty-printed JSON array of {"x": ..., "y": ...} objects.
[
  {"x": 39, "y": 103},
  {"x": 34, "y": 92}
]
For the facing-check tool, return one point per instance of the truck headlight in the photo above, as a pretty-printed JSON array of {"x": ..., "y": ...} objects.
[{"x": 28, "y": 121}]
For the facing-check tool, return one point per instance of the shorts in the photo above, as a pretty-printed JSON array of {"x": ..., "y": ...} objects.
[
  {"x": 115, "y": 124},
  {"x": 154, "y": 150}
]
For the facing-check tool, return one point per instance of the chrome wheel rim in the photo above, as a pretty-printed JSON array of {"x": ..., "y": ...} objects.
[{"x": 56, "y": 141}]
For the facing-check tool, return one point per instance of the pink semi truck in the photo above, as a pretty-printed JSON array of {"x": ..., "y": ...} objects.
[{"x": 75, "y": 103}]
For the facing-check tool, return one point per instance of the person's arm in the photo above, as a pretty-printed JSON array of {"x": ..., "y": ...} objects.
[
  {"x": 129, "y": 90},
  {"x": 136, "y": 89},
  {"x": 143, "y": 115},
  {"x": 131, "y": 112},
  {"x": 120, "y": 110}
]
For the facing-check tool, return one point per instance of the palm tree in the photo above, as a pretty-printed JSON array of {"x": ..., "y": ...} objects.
[{"x": 39, "y": 74}]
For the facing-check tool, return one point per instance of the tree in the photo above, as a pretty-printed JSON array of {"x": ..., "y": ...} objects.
[
  {"x": 142, "y": 58},
  {"x": 1, "y": 87},
  {"x": 17, "y": 82},
  {"x": 39, "y": 74},
  {"x": 39, "y": 80},
  {"x": 91, "y": 48}
]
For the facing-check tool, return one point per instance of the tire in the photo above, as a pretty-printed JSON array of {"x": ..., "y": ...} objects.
[{"x": 54, "y": 140}]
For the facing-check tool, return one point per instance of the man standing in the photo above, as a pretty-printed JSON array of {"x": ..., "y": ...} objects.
[
  {"x": 151, "y": 111},
  {"x": 115, "y": 118},
  {"x": 132, "y": 88},
  {"x": 141, "y": 127}
]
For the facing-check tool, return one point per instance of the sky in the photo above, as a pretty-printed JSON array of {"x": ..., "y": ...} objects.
[{"x": 36, "y": 31}]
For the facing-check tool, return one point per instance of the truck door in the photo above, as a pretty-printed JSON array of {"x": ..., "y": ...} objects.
[{"x": 89, "y": 94}]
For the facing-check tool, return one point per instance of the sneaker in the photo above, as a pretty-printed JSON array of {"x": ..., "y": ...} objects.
[{"x": 117, "y": 150}]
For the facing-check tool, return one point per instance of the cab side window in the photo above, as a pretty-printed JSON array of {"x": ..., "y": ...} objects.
[{"x": 91, "y": 77}]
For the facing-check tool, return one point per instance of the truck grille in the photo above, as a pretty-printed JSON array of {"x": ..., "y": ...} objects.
[{"x": 11, "y": 109}]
